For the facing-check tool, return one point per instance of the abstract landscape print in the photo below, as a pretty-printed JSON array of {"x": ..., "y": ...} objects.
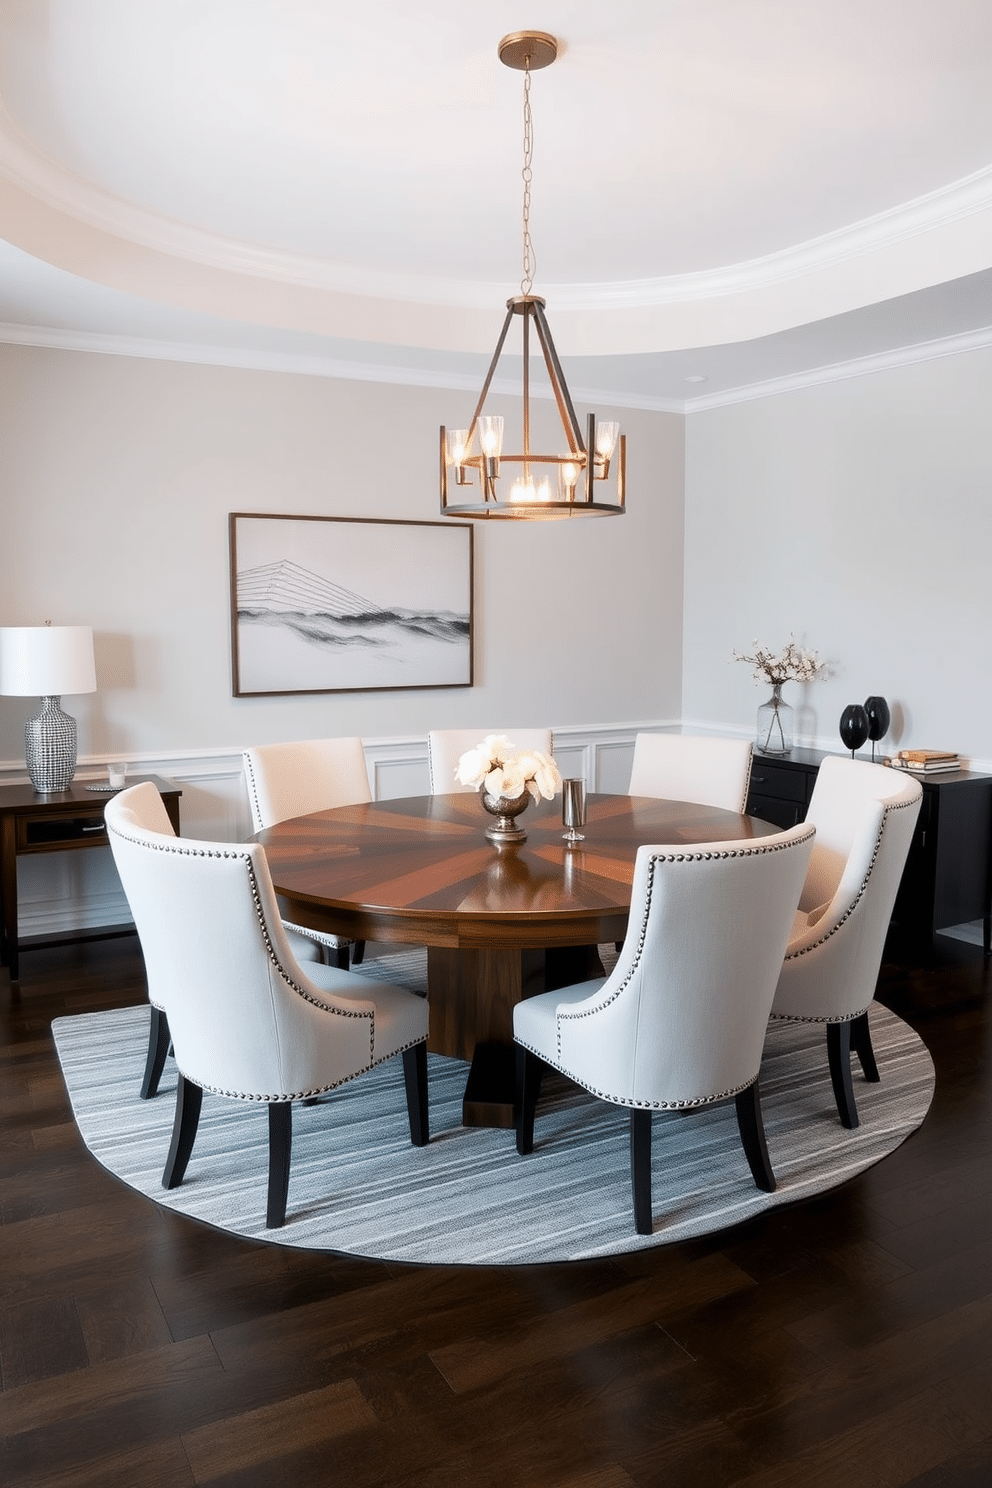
[{"x": 336, "y": 604}]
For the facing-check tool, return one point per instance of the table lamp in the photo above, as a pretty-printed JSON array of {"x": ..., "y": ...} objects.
[{"x": 46, "y": 661}]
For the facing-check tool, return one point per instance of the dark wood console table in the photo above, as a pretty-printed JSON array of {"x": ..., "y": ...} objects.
[
  {"x": 61, "y": 821},
  {"x": 948, "y": 875}
]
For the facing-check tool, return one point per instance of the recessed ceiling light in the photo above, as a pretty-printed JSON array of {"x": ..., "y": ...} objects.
[{"x": 697, "y": 377}]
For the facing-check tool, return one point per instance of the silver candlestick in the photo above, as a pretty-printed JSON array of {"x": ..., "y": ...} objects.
[{"x": 573, "y": 809}]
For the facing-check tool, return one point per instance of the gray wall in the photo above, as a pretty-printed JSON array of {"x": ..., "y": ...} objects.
[
  {"x": 118, "y": 475},
  {"x": 857, "y": 515}
]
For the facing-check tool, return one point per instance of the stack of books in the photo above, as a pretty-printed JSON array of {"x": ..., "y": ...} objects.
[{"x": 926, "y": 761}]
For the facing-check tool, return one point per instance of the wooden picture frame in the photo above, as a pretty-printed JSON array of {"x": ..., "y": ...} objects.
[{"x": 349, "y": 604}]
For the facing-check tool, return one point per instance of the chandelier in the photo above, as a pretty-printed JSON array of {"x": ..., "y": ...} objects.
[{"x": 536, "y": 487}]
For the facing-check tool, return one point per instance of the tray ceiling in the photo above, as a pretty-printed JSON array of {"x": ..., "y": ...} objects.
[{"x": 706, "y": 173}]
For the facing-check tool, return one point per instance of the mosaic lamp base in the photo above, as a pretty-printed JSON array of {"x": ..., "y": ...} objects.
[{"x": 50, "y": 747}]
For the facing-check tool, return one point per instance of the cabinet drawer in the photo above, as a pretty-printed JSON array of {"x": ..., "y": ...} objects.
[
  {"x": 45, "y": 832},
  {"x": 777, "y": 810},
  {"x": 772, "y": 780}
]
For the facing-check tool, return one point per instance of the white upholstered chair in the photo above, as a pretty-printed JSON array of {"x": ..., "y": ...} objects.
[
  {"x": 293, "y": 779},
  {"x": 687, "y": 767},
  {"x": 864, "y": 816},
  {"x": 445, "y": 748},
  {"x": 681, "y": 1021},
  {"x": 148, "y": 812},
  {"x": 247, "y": 1020}
]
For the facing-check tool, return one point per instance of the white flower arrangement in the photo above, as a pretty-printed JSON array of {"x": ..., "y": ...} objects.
[
  {"x": 791, "y": 664},
  {"x": 501, "y": 770}
]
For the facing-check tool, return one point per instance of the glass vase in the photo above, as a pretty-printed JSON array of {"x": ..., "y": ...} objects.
[{"x": 775, "y": 724}]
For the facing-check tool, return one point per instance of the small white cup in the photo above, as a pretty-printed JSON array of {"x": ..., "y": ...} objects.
[{"x": 117, "y": 774}]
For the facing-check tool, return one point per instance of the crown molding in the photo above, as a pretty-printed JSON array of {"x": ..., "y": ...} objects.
[
  {"x": 955, "y": 202},
  {"x": 49, "y": 338},
  {"x": 883, "y": 361},
  {"x": 104, "y": 344},
  {"x": 247, "y": 359},
  {"x": 27, "y": 166}
]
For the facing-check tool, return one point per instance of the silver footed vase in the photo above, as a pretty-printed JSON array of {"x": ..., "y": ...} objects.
[{"x": 505, "y": 809}]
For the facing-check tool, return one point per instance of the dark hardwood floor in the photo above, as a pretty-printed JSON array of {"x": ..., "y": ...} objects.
[{"x": 842, "y": 1341}]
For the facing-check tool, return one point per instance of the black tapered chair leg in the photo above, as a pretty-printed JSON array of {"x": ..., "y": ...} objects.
[
  {"x": 861, "y": 1044},
  {"x": 158, "y": 1048},
  {"x": 349, "y": 955},
  {"x": 839, "y": 1059},
  {"x": 751, "y": 1126},
  {"x": 415, "y": 1080},
  {"x": 529, "y": 1070},
  {"x": 189, "y": 1098},
  {"x": 280, "y": 1152},
  {"x": 640, "y": 1169}
]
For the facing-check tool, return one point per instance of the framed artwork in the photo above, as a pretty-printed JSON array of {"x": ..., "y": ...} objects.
[{"x": 341, "y": 604}]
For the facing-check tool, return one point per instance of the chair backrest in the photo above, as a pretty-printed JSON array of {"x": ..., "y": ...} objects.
[
  {"x": 681, "y": 1021},
  {"x": 684, "y": 767},
  {"x": 287, "y": 780},
  {"x": 865, "y": 816},
  {"x": 147, "y": 811},
  {"x": 843, "y": 808},
  {"x": 241, "y": 1012},
  {"x": 445, "y": 748}
]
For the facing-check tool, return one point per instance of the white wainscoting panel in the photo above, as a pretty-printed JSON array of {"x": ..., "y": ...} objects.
[{"x": 397, "y": 768}]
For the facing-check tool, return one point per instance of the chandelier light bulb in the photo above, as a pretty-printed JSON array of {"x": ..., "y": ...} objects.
[
  {"x": 607, "y": 431},
  {"x": 457, "y": 446},
  {"x": 568, "y": 479},
  {"x": 491, "y": 435},
  {"x": 526, "y": 489}
]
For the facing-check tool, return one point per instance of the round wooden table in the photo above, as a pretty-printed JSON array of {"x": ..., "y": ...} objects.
[{"x": 500, "y": 924}]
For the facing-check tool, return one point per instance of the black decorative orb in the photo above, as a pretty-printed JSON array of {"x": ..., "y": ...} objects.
[
  {"x": 878, "y": 717},
  {"x": 854, "y": 726}
]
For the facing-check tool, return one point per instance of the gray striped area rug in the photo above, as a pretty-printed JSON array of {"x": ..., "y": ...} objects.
[{"x": 358, "y": 1186}]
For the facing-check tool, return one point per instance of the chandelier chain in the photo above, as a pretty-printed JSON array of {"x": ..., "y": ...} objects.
[{"x": 529, "y": 257}]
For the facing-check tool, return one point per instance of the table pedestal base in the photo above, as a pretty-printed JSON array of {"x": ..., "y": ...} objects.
[
  {"x": 489, "y": 1089},
  {"x": 473, "y": 993}
]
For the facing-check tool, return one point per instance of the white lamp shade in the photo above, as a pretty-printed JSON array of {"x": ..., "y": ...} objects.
[{"x": 46, "y": 660}]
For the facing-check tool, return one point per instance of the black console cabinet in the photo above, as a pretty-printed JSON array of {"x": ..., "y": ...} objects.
[
  {"x": 947, "y": 880},
  {"x": 781, "y": 786}
]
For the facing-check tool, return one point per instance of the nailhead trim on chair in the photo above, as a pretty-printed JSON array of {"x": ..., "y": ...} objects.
[
  {"x": 256, "y": 806},
  {"x": 269, "y": 1100},
  {"x": 814, "y": 945},
  {"x": 742, "y": 808},
  {"x": 199, "y": 852},
  {"x": 767, "y": 845},
  {"x": 336, "y": 942},
  {"x": 805, "y": 1018},
  {"x": 620, "y": 1100},
  {"x": 321, "y": 937}
]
